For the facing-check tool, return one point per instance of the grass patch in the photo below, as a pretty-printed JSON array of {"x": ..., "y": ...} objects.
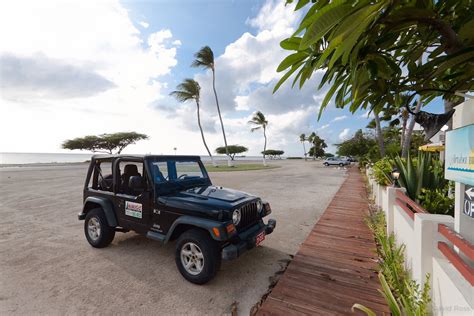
[{"x": 239, "y": 167}]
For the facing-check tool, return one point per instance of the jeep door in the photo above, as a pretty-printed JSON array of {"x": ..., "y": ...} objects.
[{"x": 133, "y": 205}]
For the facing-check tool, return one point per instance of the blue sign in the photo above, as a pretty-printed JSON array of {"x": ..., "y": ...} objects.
[{"x": 459, "y": 160}]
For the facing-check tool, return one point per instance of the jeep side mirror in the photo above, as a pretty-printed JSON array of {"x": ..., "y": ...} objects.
[{"x": 136, "y": 183}]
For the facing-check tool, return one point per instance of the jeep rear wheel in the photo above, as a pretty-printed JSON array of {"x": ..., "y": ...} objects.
[
  {"x": 98, "y": 233},
  {"x": 197, "y": 256}
]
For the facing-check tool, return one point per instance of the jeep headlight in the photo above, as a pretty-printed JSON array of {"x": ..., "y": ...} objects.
[
  {"x": 259, "y": 205},
  {"x": 236, "y": 215}
]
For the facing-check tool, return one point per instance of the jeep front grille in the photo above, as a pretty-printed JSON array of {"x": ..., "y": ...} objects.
[{"x": 249, "y": 214}]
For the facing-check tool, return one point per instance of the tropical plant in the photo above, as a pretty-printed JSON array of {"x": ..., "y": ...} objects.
[
  {"x": 303, "y": 140},
  {"x": 402, "y": 294},
  {"x": 205, "y": 59},
  {"x": 273, "y": 153},
  {"x": 232, "y": 150},
  {"x": 418, "y": 173},
  {"x": 104, "y": 142},
  {"x": 260, "y": 122},
  {"x": 437, "y": 201},
  {"x": 363, "y": 46},
  {"x": 318, "y": 145},
  {"x": 357, "y": 146},
  {"x": 382, "y": 171},
  {"x": 188, "y": 90}
]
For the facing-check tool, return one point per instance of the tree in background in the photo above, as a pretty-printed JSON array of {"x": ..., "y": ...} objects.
[
  {"x": 188, "y": 90},
  {"x": 273, "y": 153},
  {"x": 260, "y": 122},
  {"x": 105, "y": 142},
  {"x": 232, "y": 150},
  {"x": 303, "y": 140},
  {"x": 363, "y": 46},
  {"x": 318, "y": 145},
  {"x": 358, "y": 146},
  {"x": 205, "y": 59}
]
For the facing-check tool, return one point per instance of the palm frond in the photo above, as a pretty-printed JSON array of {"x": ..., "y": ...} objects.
[
  {"x": 204, "y": 58},
  {"x": 253, "y": 129},
  {"x": 187, "y": 90}
]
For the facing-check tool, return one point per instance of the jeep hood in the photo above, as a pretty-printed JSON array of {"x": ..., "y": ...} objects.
[{"x": 207, "y": 197}]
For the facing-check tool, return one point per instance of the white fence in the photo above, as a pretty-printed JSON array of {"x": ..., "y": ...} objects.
[{"x": 429, "y": 240}]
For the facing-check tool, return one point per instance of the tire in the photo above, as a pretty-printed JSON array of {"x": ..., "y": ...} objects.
[
  {"x": 103, "y": 234},
  {"x": 196, "y": 243},
  {"x": 326, "y": 164},
  {"x": 341, "y": 165}
]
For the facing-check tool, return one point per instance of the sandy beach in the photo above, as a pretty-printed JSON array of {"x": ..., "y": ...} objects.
[{"x": 47, "y": 266}]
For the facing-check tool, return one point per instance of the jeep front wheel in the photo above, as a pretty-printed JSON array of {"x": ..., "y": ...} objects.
[
  {"x": 98, "y": 233},
  {"x": 197, "y": 256}
]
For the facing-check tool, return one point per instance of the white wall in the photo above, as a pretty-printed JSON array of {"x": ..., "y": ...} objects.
[{"x": 451, "y": 293}]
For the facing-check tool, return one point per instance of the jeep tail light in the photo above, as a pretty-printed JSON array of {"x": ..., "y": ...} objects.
[{"x": 267, "y": 208}]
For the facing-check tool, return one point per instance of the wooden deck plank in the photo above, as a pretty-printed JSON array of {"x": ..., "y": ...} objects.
[{"x": 336, "y": 266}]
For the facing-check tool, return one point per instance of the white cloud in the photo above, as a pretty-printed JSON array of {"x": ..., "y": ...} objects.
[
  {"x": 344, "y": 134},
  {"x": 367, "y": 114},
  {"x": 323, "y": 127},
  {"x": 144, "y": 24},
  {"x": 96, "y": 61},
  {"x": 339, "y": 118}
]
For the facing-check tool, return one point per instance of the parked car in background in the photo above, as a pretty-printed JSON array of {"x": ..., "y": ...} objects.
[{"x": 337, "y": 161}]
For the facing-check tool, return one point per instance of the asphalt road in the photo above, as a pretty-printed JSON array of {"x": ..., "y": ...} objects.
[{"x": 47, "y": 266}]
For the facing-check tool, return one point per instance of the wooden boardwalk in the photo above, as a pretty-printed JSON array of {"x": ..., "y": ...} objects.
[{"x": 336, "y": 266}]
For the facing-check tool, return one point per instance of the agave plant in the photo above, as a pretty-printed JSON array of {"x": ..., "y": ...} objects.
[{"x": 421, "y": 172}]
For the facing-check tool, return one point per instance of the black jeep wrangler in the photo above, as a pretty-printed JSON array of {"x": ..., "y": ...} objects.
[{"x": 172, "y": 198}]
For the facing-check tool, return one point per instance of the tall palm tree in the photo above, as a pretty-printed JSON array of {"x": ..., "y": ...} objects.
[
  {"x": 189, "y": 89},
  {"x": 311, "y": 139},
  {"x": 260, "y": 122},
  {"x": 205, "y": 59},
  {"x": 303, "y": 140}
]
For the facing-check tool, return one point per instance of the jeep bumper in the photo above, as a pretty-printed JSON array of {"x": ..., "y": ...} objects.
[{"x": 247, "y": 240}]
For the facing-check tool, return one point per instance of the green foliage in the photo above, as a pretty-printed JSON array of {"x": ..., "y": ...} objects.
[
  {"x": 317, "y": 150},
  {"x": 362, "y": 47},
  {"x": 273, "y": 153},
  {"x": 105, "y": 142},
  {"x": 294, "y": 158},
  {"x": 328, "y": 155},
  {"x": 403, "y": 295},
  {"x": 189, "y": 89},
  {"x": 382, "y": 171},
  {"x": 418, "y": 173},
  {"x": 357, "y": 146},
  {"x": 233, "y": 150},
  {"x": 437, "y": 201}
]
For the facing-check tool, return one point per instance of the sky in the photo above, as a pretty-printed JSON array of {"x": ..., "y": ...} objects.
[{"x": 75, "y": 68}]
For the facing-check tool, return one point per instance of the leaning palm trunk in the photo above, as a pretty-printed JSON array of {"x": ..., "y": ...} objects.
[
  {"x": 264, "y": 146},
  {"x": 409, "y": 131},
  {"x": 379, "y": 134},
  {"x": 304, "y": 150},
  {"x": 202, "y": 135},
  {"x": 229, "y": 161}
]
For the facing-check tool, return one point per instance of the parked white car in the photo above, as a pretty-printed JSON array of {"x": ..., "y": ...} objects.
[{"x": 336, "y": 161}]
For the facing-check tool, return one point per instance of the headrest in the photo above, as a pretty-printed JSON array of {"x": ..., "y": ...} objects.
[{"x": 131, "y": 170}]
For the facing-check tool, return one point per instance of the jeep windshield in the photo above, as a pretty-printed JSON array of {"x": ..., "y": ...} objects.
[{"x": 177, "y": 174}]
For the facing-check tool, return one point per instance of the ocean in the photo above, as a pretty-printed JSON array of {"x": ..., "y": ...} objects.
[{"x": 31, "y": 158}]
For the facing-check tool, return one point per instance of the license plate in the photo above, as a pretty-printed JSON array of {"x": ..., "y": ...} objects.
[{"x": 260, "y": 237}]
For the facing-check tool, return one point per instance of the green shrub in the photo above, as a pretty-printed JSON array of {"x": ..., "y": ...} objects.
[
  {"x": 424, "y": 172},
  {"x": 437, "y": 201},
  {"x": 382, "y": 171},
  {"x": 403, "y": 295}
]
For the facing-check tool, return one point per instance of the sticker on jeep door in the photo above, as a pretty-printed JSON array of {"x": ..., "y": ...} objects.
[{"x": 133, "y": 209}]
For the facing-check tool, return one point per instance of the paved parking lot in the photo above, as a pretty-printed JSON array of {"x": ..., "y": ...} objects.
[{"x": 47, "y": 266}]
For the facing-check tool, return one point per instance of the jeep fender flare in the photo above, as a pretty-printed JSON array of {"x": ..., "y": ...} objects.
[
  {"x": 203, "y": 223},
  {"x": 106, "y": 205}
]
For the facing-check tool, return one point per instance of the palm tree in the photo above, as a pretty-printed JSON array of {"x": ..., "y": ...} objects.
[
  {"x": 303, "y": 140},
  {"x": 189, "y": 89},
  {"x": 311, "y": 139},
  {"x": 205, "y": 59},
  {"x": 260, "y": 122}
]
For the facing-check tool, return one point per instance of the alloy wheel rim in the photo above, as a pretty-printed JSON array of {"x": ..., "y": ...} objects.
[
  {"x": 192, "y": 258},
  {"x": 93, "y": 228}
]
